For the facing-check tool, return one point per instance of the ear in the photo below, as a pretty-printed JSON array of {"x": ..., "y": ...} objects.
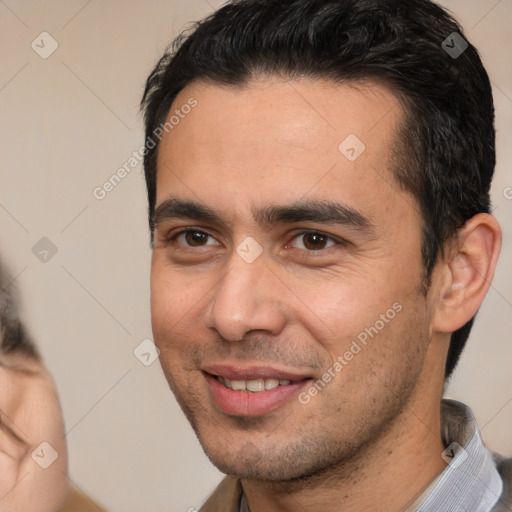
[{"x": 467, "y": 271}]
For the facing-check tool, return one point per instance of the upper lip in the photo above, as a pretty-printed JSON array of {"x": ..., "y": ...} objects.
[{"x": 252, "y": 372}]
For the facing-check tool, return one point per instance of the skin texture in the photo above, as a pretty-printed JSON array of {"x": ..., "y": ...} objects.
[
  {"x": 375, "y": 424},
  {"x": 29, "y": 415}
]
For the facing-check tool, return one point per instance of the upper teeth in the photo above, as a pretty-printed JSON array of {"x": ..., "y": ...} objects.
[{"x": 255, "y": 385}]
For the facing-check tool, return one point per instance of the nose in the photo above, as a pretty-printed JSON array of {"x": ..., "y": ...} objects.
[{"x": 248, "y": 298}]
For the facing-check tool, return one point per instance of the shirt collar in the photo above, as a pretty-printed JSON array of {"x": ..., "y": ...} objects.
[{"x": 470, "y": 480}]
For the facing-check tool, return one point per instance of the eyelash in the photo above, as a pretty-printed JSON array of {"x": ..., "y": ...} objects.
[{"x": 337, "y": 241}]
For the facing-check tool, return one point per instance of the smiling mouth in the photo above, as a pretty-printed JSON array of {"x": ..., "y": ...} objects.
[{"x": 251, "y": 391}]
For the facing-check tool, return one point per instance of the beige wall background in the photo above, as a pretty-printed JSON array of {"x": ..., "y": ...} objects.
[{"x": 68, "y": 122}]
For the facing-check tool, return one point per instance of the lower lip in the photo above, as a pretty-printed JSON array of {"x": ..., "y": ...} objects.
[{"x": 246, "y": 403}]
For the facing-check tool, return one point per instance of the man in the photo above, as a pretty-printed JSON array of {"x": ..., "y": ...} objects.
[
  {"x": 318, "y": 177},
  {"x": 33, "y": 453}
]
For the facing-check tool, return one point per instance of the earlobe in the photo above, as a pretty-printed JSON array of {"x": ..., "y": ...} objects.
[{"x": 467, "y": 272}]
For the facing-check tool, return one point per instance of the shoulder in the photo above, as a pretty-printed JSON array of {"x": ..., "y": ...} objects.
[{"x": 225, "y": 498}]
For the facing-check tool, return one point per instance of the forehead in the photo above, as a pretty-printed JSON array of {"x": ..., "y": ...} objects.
[{"x": 288, "y": 138}]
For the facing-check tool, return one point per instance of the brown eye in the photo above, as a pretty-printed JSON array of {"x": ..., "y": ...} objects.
[
  {"x": 193, "y": 238},
  {"x": 312, "y": 241}
]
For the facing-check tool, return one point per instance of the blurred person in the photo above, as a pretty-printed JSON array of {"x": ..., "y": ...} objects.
[
  {"x": 33, "y": 452},
  {"x": 318, "y": 176}
]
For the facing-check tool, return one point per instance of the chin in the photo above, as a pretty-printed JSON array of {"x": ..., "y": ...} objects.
[{"x": 251, "y": 462}]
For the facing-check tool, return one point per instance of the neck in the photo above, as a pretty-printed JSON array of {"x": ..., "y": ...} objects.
[{"x": 387, "y": 475}]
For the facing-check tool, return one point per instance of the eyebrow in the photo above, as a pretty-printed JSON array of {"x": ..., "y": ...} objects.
[
  {"x": 322, "y": 212},
  {"x": 185, "y": 209}
]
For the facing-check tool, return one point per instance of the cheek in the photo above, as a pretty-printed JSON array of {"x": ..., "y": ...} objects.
[
  {"x": 169, "y": 299},
  {"x": 368, "y": 326},
  {"x": 337, "y": 309},
  {"x": 175, "y": 290},
  {"x": 45, "y": 418},
  {"x": 176, "y": 302}
]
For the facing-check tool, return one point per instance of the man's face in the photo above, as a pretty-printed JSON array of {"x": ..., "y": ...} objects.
[{"x": 279, "y": 253}]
